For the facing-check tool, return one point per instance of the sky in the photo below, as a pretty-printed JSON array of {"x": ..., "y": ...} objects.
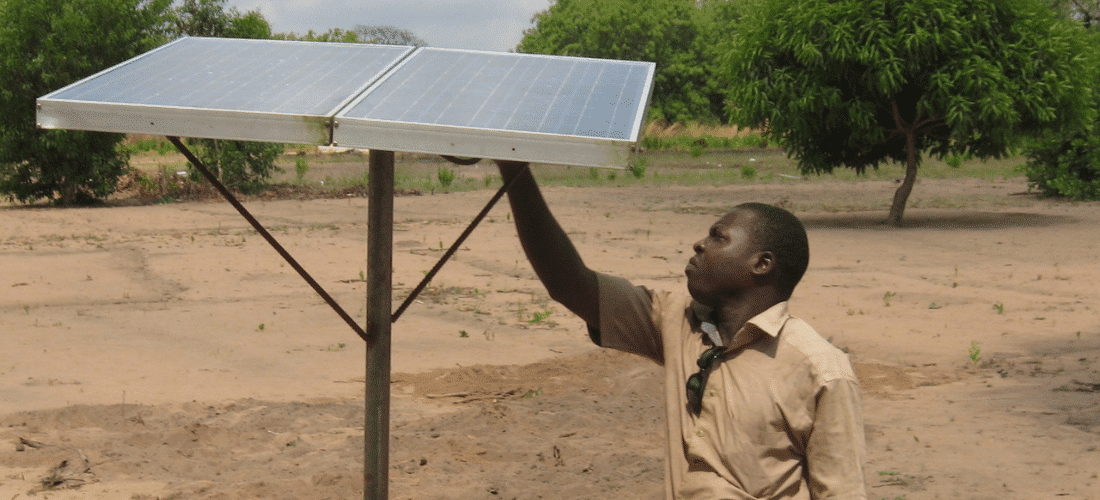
[{"x": 464, "y": 24}]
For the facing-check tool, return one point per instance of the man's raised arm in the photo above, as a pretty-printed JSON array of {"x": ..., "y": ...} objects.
[{"x": 555, "y": 259}]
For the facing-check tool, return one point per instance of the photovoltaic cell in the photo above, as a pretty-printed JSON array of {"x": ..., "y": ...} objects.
[
  {"x": 513, "y": 92},
  {"x": 262, "y": 76},
  {"x": 526, "y": 107},
  {"x": 258, "y": 90}
]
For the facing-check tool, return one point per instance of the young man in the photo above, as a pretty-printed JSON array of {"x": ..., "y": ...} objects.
[{"x": 758, "y": 404}]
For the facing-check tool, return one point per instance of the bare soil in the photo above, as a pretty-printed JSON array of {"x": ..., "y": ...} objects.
[{"x": 165, "y": 351}]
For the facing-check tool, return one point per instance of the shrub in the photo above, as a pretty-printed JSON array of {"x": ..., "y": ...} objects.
[
  {"x": 445, "y": 175},
  {"x": 242, "y": 165},
  {"x": 301, "y": 166},
  {"x": 1060, "y": 166}
]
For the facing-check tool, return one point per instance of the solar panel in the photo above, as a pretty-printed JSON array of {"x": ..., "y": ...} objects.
[
  {"x": 523, "y": 107},
  {"x": 501, "y": 105},
  {"x": 262, "y": 90}
]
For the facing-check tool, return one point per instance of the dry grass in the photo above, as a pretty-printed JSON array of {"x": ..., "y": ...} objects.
[{"x": 661, "y": 129}]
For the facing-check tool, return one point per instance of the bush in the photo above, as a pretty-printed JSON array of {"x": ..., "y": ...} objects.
[
  {"x": 445, "y": 175},
  {"x": 241, "y": 165},
  {"x": 301, "y": 166},
  {"x": 637, "y": 167},
  {"x": 48, "y": 44},
  {"x": 1067, "y": 167}
]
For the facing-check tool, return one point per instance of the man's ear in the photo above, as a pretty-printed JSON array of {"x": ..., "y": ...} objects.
[{"x": 764, "y": 264}]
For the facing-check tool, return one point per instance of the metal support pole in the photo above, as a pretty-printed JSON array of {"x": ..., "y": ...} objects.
[{"x": 376, "y": 428}]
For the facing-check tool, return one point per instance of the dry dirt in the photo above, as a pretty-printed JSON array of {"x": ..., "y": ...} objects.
[{"x": 158, "y": 352}]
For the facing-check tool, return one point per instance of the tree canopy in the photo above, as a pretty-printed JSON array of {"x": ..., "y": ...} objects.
[
  {"x": 674, "y": 34},
  {"x": 388, "y": 35},
  {"x": 48, "y": 44},
  {"x": 211, "y": 18},
  {"x": 855, "y": 83},
  {"x": 382, "y": 35}
]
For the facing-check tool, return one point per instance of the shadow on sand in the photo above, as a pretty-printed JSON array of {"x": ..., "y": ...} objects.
[{"x": 934, "y": 219}]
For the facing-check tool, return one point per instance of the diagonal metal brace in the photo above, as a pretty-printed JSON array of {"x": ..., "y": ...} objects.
[
  {"x": 267, "y": 236},
  {"x": 454, "y": 248}
]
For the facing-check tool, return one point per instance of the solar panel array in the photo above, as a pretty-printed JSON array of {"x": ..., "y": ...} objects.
[{"x": 455, "y": 102}]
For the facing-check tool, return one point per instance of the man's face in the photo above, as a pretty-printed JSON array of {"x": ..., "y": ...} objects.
[{"x": 723, "y": 261}]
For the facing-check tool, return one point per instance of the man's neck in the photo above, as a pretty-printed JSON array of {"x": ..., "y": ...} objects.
[{"x": 730, "y": 316}]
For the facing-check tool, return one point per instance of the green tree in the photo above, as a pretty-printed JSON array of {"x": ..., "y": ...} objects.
[
  {"x": 1085, "y": 12},
  {"x": 332, "y": 35},
  {"x": 242, "y": 165},
  {"x": 858, "y": 82},
  {"x": 666, "y": 32},
  {"x": 382, "y": 35},
  {"x": 1068, "y": 164},
  {"x": 388, "y": 35},
  {"x": 48, "y": 44},
  {"x": 210, "y": 18}
]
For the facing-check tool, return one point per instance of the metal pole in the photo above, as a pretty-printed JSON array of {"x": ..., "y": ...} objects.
[{"x": 376, "y": 428}]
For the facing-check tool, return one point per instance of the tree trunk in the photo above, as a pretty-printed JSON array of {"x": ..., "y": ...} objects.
[{"x": 901, "y": 196}]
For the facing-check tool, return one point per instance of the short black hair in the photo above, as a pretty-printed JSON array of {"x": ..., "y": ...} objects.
[{"x": 780, "y": 232}]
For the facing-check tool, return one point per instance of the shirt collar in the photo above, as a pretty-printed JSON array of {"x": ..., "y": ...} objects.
[{"x": 770, "y": 321}]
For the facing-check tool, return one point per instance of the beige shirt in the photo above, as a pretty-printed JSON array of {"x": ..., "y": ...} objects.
[{"x": 781, "y": 416}]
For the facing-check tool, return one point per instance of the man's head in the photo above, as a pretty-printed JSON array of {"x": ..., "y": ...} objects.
[
  {"x": 753, "y": 247},
  {"x": 780, "y": 232}
]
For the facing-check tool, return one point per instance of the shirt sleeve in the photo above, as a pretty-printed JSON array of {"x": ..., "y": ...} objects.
[
  {"x": 835, "y": 452},
  {"x": 626, "y": 319}
]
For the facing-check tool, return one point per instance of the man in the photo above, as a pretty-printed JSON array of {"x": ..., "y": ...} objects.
[{"x": 758, "y": 404}]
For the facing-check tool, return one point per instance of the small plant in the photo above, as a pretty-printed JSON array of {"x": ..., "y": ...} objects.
[
  {"x": 953, "y": 161},
  {"x": 463, "y": 334},
  {"x": 696, "y": 150},
  {"x": 999, "y": 307},
  {"x": 261, "y": 327},
  {"x": 531, "y": 394},
  {"x": 748, "y": 173},
  {"x": 886, "y": 298},
  {"x": 934, "y": 306},
  {"x": 301, "y": 166},
  {"x": 445, "y": 175},
  {"x": 637, "y": 168},
  {"x": 975, "y": 352},
  {"x": 594, "y": 174},
  {"x": 539, "y": 316}
]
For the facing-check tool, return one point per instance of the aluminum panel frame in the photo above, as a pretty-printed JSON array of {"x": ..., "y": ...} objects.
[
  {"x": 483, "y": 143},
  {"x": 184, "y": 122}
]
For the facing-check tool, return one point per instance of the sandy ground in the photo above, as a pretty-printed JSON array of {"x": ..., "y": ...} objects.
[{"x": 166, "y": 351}]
